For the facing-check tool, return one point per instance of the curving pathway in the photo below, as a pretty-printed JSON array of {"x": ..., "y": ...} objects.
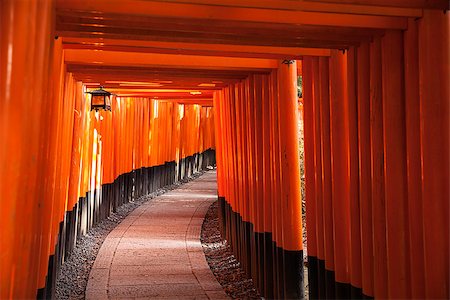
[{"x": 156, "y": 251}]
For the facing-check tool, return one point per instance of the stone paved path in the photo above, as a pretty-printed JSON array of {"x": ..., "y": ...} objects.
[{"x": 156, "y": 251}]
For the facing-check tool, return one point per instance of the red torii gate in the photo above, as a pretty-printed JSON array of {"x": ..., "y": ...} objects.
[{"x": 376, "y": 113}]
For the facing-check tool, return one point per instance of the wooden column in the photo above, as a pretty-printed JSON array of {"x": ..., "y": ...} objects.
[
  {"x": 395, "y": 165},
  {"x": 365, "y": 190},
  {"x": 355, "y": 231},
  {"x": 434, "y": 134},
  {"x": 326, "y": 263},
  {"x": 267, "y": 187},
  {"x": 377, "y": 167},
  {"x": 340, "y": 169},
  {"x": 290, "y": 167}
]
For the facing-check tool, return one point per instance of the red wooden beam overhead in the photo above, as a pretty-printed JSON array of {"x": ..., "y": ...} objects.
[
  {"x": 192, "y": 48},
  {"x": 127, "y": 77},
  {"x": 226, "y": 13},
  {"x": 203, "y": 102},
  {"x": 116, "y": 58},
  {"x": 154, "y": 73},
  {"x": 433, "y": 4},
  {"x": 185, "y": 30},
  {"x": 203, "y": 85},
  {"x": 164, "y": 93},
  {"x": 368, "y": 7}
]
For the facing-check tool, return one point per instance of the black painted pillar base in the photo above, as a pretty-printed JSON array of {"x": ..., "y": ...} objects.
[
  {"x": 277, "y": 273},
  {"x": 323, "y": 285},
  {"x": 293, "y": 279},
  {"x": 269, "y": 275}
]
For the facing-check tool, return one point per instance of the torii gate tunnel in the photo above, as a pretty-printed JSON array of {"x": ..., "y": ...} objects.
[{"x": 204, "y": 82}]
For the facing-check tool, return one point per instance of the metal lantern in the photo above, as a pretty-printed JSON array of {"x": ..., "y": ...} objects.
[{"x": 100, "y": 99}]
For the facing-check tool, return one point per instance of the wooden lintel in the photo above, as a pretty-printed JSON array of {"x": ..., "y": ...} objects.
[{"x": 209, "y": 13}]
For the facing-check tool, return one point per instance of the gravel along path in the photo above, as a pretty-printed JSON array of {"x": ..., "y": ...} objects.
[
  {"x": 74, "y": 274},
  {"x": 225, "y": 266},
  {"x": 222, "y": 261}
]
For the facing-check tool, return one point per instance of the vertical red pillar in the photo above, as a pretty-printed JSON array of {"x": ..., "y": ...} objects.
[
  {"x": 377, "y": 168},
  {"x": 267, "y": 187},
  {"x": 233, "y": 151},
  {"x": 310, "y": 177},
  {"x": 355, "y": 232},
  {"x": 365, "y": 191},
  {"x": 412, "y": 119},
  {"x": 220, "y": 149},
  {"x": 326, "y": 283},
  {"x": 318, "y": 176},
  {"x": 277, "y": 225},
  {"x": 434, "y": 133},
  {"x": 227, "y": 157},
  {"x": 395, "y": 165},
  {"x": 290, "y": 167},
  {"x": 246, "y": 179},
  {"x": 256, "y": 105},
  {"x": 308, "y": 110},
  {"x": 340, "y": 169}
]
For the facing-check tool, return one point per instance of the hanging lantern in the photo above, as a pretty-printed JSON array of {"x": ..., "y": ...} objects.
[{"x": 100, "y": 99}]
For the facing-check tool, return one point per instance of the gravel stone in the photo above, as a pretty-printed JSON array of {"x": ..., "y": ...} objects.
[{"x": 222, "y": 262}]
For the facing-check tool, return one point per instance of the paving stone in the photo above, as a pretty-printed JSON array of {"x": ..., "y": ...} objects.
[
  {"x": 156, "y": 252},
  {"x": 149, "y": 279},
  {"x": 96, "y": 294},
  {"x": 153, "y": 269},
  {"x": 157, "y": 290}
]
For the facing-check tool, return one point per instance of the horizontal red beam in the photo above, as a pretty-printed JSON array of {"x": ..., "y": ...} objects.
[
  {"x": 210, "y": 13},
  {"x": 115, "y": 58},
  {"x": 249, "y": 51}
]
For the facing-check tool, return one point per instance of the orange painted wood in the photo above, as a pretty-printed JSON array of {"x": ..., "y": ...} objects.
[
  {"x": 75, "y": 171},
  {"x": 212, "y": 49},
  {"x": 355, "y": 230},
  {"x": 340, "y": 164},
  {"x": 308, "y": 117},
  {"x": 235, "y": 150},
  {"x": 229, "y": 155},
  {"x": 236, "y": 108},
  {"x": 276, "y": 177},
  {"x": 218, "y": 127},
  {"x": 244, "y": 163},
  {"x": 20, "y": 229},
  {"x": 395, "y": 165},
  {"x": 438, "y": 4},
  {"x": 434, "y": 133},
  {"x": 314, "y": 6},
  {"x": 317, "y": 102},
  {"x": 377, "y": 176},
  {"x": 290, "y": 164},
  {"x": 327, "y": 213},
  {"x": 365, "y": 190},
  {"x": 266, "y": 154},
  {"x": 254, "y": 103},
  {"x": 205, "y": 12},
  {"x": 114, "y": 58}
]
